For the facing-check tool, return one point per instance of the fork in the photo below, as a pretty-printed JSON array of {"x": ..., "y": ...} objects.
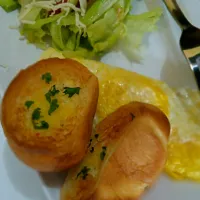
[{"x": 189, "y": 40}]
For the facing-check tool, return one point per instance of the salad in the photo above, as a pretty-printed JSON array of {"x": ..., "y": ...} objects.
[{"x": 85, "y": 28}]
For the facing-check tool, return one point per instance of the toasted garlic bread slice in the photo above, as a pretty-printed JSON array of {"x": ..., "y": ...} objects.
[
  {"x": 47, "y": 113},
  {"x": 140, "y": 155},
  {"x": 138, "y": 133},
  {"x": 82, "y": 180}
]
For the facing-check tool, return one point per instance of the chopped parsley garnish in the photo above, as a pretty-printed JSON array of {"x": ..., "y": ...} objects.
[
  {"x": 53, "y": 106},
  {"x": 41, "y": 125},
  {"x": 104, "y": 148},
  {"x": 90, "y": 143},
  {"x": 36, "y": 115},
  {"x": 47, "y": 77},
  {"x": 91, "y": 149},
  {"x": 83, "y": 173},
  {"x": 96, "y": 136},
  {"x": 132, "y": 115},
  {"x": 71, "y": 91},
  {"x": 28, "y": 104},
  {"x": 48, "y": 97},
  {"x": 53, "y": 103},
  {"x": 51, "y": 93},
  {"x": 53, "y": 90},
  {"x": 103, "y": 153}
]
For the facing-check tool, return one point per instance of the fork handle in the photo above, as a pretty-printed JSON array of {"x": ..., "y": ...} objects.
[
  {"x": 194, "y": 62},
  {"x": 178, "y": 15}
]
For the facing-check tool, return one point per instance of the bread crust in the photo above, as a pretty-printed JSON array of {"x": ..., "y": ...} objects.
[
  {"x": 136, "y": 137},
  {"x": 140, "y": 155},
  {"x": 64, "y": 144}
]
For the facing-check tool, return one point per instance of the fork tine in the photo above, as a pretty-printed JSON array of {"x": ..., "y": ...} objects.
[{"x": 178, "y": 15}]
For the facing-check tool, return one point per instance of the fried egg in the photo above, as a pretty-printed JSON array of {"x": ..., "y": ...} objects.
[
  {"x": 118, "y": 87},
  {"x": 184, "y": 145}
]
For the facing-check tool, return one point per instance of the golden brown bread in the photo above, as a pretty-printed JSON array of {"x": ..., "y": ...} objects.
[
  {"x": 56, "y": 139},
  {"x": 140, "y": 156},
  {"x": 141, "y": 133}
]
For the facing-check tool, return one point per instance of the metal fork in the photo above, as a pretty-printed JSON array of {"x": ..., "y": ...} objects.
[{"x": 190, "y": 38}]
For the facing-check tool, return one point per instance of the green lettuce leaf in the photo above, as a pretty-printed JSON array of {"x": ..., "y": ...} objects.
[
  {"x": 35, "y": 33},
  {"x": 136, "y": 27},
  {"x": 68, "y": 20},
  {"x": 106, "y": 22},
  {"x": 32, "y": 15},
  {"x": 98, "y": 8},
  {"x": 9, "y": 5},
  {"x": 79, "y": 53},
  {"x": 41, "y": 22},
  {"x": 110, "y": 27},
  {"x": 109, "y": 42},
  {"x": 71, "y": 43},
  {"x": 122, "y": 7},
  {"x": 104, "y": 26},
  {"x": 35, "y": 37},
  {"x": 59, "y": 34}
]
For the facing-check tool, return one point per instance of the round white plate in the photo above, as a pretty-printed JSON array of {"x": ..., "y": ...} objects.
[{"x": 162, "y": 59}]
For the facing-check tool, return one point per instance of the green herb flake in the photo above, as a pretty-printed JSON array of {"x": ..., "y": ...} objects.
[
  {"x": 103, "y": 153},
  {"x": 104, "y": 148},
  {"x": 96, "y": 136},
  {"x": 54, "y": 91},
  {"x": 41, "y": 125},
  {"x": 83, "y": 173},
  {"x": 51, "y": 93},
  {"x": 47, "y": 77},
  {"x": 132, "y": 115},
  {"x": 48, "y": 97},
  {"x": 90, "y": 143},
  {"x": 53, "y": 106},
  {"x": 28, "y": 104},
  {"x": 36, "y": 115},
  {"x": 91, "y": 149},
  {"x": 71, "y": 91}
]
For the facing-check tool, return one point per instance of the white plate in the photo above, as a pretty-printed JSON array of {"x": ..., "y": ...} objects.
[{"x": 162, "y": 59}]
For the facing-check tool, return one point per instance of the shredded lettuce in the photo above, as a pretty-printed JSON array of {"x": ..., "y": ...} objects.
[
  {"x": 41, "y": 22},
  {"x": 83, "y": 5},
  {"x": 85, "y": 28}
]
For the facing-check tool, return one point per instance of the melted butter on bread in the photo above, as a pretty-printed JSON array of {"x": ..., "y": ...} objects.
[
  {"x": 50, "y": 135},
  {"x": 68, "y": 106},
  {"x": 136, "y": 154},
  {"x": 35, "y": 90}
]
